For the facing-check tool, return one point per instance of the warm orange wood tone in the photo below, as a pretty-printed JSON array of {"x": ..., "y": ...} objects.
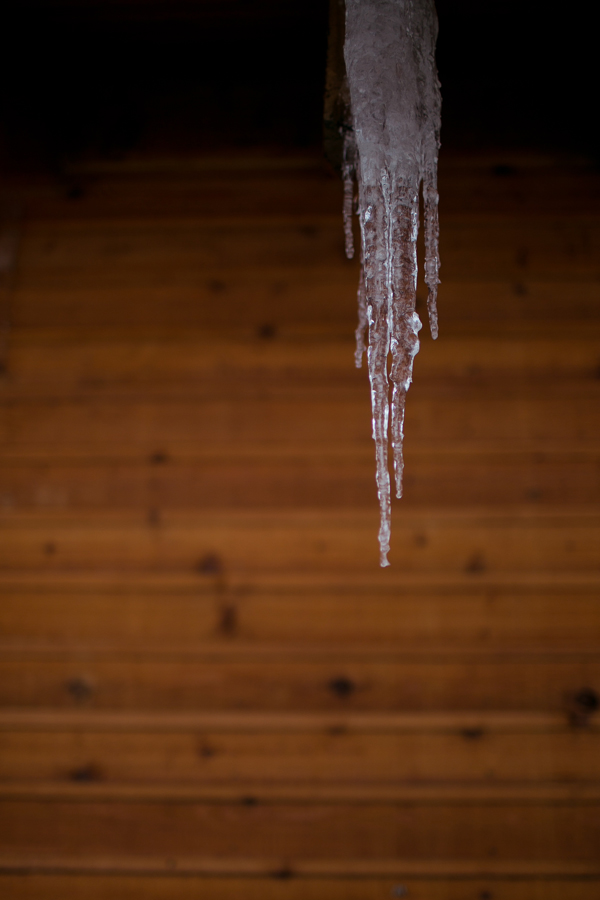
[
  {"x": 208, "y": 686},
  {"x": 261, "y": 887}
]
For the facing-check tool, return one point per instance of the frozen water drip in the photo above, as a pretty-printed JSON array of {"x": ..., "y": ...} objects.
[{"x": 390, "y": 150}]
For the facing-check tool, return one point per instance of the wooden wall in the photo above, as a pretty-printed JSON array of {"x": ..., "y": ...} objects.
[{"x": 208, "y": 687}]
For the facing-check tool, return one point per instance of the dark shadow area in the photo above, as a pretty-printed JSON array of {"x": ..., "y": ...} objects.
[{"x": 106, "y": 79}]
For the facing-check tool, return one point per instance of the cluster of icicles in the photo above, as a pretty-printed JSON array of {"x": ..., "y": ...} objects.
[{"x": 391, "y": 145}]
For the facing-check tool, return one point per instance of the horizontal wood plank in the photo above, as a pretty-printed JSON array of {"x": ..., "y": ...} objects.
[
  {"x": 469, "y": 542},
  {"x": 484, "y": 245},
  {"x": 374, "y": 837},
  {"x": 281, "y": 870},
  {"x": 253, "y": 792},
  {"x": 218, "y": 300},
  {"x": 484, "y": 182},
  {"x": 270, "y": 887},
  {"x": 213, "y": 608},
  {"x": 339, "y": 419},
  {"x": 99, "y": 358},
  {"x": 197, "y": 750},
  {"x": 252, "y": 481},
  {"x": 272, "y": 683},
  {"x": 97, "y": 721}
]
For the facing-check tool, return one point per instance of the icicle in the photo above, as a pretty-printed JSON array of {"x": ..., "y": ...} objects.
[
  {"x": 432, "y": 233},
  {"x": 395, "y": 104},
  {"x": 363, "y": 318},
  {"x": 348, "y": 175},
  {"x": 404, "y": 343},
  {"x": 373, "y": 226}
]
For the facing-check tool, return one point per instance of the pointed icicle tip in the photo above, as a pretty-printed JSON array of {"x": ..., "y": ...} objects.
[{"x": 391, "y": 148}]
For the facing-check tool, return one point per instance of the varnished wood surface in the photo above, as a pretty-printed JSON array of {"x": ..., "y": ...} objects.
[
  {"x": 279, "y": 886},
  {"x": 208, "y": 686},
  {"x": 303, "y": 680},
  {"x": 377, "y": 836}
]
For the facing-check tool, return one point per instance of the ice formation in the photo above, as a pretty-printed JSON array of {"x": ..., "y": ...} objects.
[{"x": 390, "y": 147}]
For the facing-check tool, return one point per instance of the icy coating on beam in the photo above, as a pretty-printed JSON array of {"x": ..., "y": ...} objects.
[{"x": 391, "y": 149}]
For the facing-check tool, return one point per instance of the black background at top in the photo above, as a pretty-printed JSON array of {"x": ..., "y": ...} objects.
[{"x": 105, "y": 78}]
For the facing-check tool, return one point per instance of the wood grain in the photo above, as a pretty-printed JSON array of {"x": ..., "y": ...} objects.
[
  {"x": 198, "y": 748},
  {"x": 298, "y": 681},
  {"x": 165, "y": 887},
  {"x": 207, "y": 686},
  {"x": 213, "y": 608},
  {"x": 382, "y": 835}
]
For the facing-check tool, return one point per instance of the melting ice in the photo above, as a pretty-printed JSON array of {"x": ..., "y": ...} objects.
[{"x": 391, "y": 149}]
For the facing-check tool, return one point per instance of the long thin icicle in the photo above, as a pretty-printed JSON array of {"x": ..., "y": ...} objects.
[
  {"x": 348, "y": 175},
  {"x": 363, "y": 316},
  {"x": 392, "y": 150}
]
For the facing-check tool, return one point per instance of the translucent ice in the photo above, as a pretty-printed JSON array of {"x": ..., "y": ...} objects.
[{"x": 391, "y": 149}]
